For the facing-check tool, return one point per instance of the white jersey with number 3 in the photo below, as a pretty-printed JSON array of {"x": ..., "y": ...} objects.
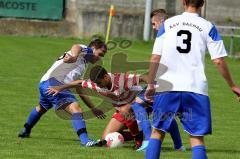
[{"x": 182, "y": 42}]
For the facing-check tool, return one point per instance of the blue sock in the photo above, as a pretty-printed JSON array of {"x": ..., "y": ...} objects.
[
  {"x": 199, "y": 152},
  {"x": 33, "y": 117},
  {"x": 175, "y": 134},
  {"x": 153, "y": 149},
  {"x": 80, "y": 127},
  {"x": 142, "y": 117}
]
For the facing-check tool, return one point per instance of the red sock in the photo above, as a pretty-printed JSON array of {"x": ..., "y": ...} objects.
[{"x": 132, "y": 126}]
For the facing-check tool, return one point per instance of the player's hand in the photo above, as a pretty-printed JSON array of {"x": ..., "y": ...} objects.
[
  {"x": 53, "y": 91},
  {"x": 98, "y": 113},
  {"x": 149, "y": 93},
  {"x": 69, "y": 59},
  {"x": 236, "y": 90}
]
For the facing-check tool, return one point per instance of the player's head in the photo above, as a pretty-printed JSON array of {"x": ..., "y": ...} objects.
[
  {"x": 157, "y": 18},
  {"x": 99, "y": 75},
  {"x": 193, "y": 3},
  {"x": 99, "y": 50}
]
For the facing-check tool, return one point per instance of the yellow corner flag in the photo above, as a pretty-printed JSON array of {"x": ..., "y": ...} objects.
[{"x": 112, "y": 13}]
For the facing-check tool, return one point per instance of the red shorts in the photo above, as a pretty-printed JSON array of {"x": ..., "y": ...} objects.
[{"x": 119, "y": 117}]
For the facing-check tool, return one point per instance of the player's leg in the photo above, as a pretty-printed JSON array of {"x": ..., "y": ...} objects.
[
  {"x": 45, "y": 103},
  {"x": 165, "y": 107},
  {"x": 141, "y": 116},
  {"x": 121, "y": 128},
  {"x": 130, "y": 122},
  {"x": 198, "y": 147},
  {"x": 176, "y": 137},
  {"x": 196, "y": 120},
  {"x": 37, "y": 112},
  {"x": 155, "y": 144},
  {"x": 126, "y": 116},
  {"x": 78, "y": 123},
  {"x": 33, "y": 118},
  {"x": 113, "y": 125}
]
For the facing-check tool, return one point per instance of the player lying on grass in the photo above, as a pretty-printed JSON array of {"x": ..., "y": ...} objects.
[
  {"x": 121, "y": 89},
  {"x": 66, "y": 69}
]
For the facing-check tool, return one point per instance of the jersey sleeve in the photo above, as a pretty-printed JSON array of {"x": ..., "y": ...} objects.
[
  {"x": 215, "y": 44},
  {"x": 91, "y": 85},
  {"x": 131, "y": 80},
  {"x": 158, "y": 44}
]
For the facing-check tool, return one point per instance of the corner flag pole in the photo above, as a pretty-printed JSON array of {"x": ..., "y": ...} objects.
[{"x": 111, "y": 14}]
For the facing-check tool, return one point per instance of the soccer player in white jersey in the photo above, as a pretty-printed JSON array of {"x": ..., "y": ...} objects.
[
  {"x": 66, "y": 69},
  {"x": 180, "y": 45},
  {"x": 158, "y": 16}
]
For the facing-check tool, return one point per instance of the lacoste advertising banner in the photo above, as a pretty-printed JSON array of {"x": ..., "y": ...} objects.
[{"x": 36, "y": 9}]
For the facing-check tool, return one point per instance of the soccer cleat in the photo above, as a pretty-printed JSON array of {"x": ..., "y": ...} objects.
[
  {"x": 144, "y": 146},
  {"x": 98, "y": 143},
  {"x": 24, "y": 133},
  {"x": 182, "y": 148},
  {"x": 90, "y": 143},
  {"x": 101, "y": 142}
]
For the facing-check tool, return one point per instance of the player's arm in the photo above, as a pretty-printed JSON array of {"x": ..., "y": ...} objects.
[
  {"x": 76, "y": 50},
  {"x": 224, "y": 71},
  {"x": 56, "y": 89},
  {"x": 217, "y": 51},
  {"x": 153, "y": 68},
  {"x": 154, "y": 62},
  {"x": 97, "y": 112},
  {"x": 143, "y": 78}
]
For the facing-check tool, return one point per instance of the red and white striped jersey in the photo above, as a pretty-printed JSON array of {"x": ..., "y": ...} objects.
[{"x": 122, "y": 88}]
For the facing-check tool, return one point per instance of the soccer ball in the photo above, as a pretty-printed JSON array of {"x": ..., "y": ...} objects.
[{"x": 114, "y": 139}]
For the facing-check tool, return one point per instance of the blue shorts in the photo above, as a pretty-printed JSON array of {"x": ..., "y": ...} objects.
[
  {"x": 193, "y": 110},
  {"x": 63, "y": 98}
]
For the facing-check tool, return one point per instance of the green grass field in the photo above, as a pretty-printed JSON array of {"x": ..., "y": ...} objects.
[{"x": 23, "y": 60}]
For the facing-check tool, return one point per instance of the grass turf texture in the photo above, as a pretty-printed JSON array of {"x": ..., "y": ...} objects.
[{"x": 23, "y": 60}]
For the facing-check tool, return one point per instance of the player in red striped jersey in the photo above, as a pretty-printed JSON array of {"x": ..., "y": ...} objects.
[
  {"x": 122, "y": 89},
  {"x": 118, "y": 88}
]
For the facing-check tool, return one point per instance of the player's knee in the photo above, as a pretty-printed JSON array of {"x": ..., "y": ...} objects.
[
  {"x": 74, "y": 108},
  {"x": 196, "y": 140},
  {"x": 157, "y": 134},
  {"x": 41, "y": 109},
  {"x": 126, "y": 111}
]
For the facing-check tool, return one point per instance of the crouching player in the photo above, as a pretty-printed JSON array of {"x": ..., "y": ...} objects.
[
  {"x": 118, "y": 96},
  {"x": 120, "y": 88},
  {"x": 66, "y": 69}
]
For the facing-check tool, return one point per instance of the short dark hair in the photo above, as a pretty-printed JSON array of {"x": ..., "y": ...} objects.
[
  {"x": 97, "y": 73},
  {"x": 194, "y": 3},
  {"x": 97, "y": 44},
  {"x": 159, "y": 12}
]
